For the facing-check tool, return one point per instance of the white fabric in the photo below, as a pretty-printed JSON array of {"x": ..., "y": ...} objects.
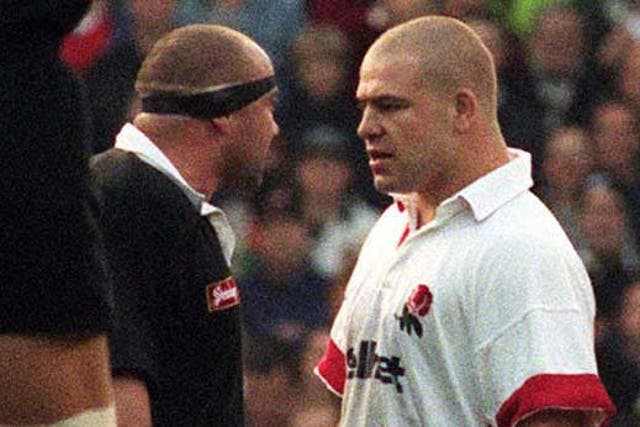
[
  {"x": 511, "y": 299},
  {"x": 104, "y": 417},
  {"x": 131, "y": 139}
]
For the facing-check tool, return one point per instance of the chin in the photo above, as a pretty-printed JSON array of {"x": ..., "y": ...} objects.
[{"x": 385, "y": 186}]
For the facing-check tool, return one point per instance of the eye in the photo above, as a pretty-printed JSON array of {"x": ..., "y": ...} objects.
[{"x": 389, "y": 104}]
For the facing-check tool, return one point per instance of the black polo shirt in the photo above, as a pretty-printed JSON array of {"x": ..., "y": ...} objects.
[{"x": 177, "y": 321}]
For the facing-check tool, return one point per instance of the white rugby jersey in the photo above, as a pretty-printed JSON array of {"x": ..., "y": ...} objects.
[{"x": 481, "y": 317}]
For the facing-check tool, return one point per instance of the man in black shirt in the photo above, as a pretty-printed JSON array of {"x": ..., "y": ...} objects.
[
  {"x": 208, "y": 95},
  {"x": 54, "y": 308}
]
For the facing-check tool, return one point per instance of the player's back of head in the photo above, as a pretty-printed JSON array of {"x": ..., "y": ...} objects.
[{"x": 196, "y": 57}]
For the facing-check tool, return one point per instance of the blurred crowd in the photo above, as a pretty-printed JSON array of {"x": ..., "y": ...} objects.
[{"x": 569, "y": 93}]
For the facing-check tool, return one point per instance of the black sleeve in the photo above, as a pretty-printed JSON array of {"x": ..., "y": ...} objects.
[
  {"x": 52, "y": 278},
  {"x": 139, "y": 220}
]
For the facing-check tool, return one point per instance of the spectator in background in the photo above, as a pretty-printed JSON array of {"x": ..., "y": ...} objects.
[
  {"x": 516, "y": 100},
  {"x": 624, "y": 18},
  {"x": 285, "y": 297},
  {"x": 563, "y": 82},
  {"x": 245, "y": 209},
  {"x": 272, "y": 383},
  {"x": 323, "y": 97},
  {"x": 338, "y": 217},
  {"x": 616, "y": 142},
  {"x": 274, "y": 24},
  {"x": 350, "y": 16},
  {"x": 465, "y": 9},
  {"x": 102, "y": 52},
  {"x": 384, "y": 14},
  {"x": 628, "y": 78},
  {"x": 152, "y": 19},
  {"x": 566, "y": 164},
  {"x": 618, "y": 353},
  {"x": 610, "y": 251}
]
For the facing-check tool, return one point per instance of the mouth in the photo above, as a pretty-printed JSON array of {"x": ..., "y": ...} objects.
[{"x": 377, "y": 160}]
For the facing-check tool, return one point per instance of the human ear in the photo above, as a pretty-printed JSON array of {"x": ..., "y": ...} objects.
[
  {"x": 219, "y": 125},
  {"x": 466, "y": 107}
]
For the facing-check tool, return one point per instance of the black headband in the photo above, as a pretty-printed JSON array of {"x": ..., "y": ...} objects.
[{"x": 208, "y": 104}]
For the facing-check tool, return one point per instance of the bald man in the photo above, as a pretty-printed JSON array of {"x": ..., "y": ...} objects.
[
  {"x": 468, "y": 306},
  {"x": 208, "y": 95}
]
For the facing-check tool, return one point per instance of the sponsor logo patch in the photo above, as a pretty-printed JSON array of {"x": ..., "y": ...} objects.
[
  {"x": 222, "y": 295},
  {"x": 367, "y": 364},
  {"x": 417, "y": 307}
]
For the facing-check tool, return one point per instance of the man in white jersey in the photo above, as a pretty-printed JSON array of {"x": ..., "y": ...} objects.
[{"x": 468, "y": 305}]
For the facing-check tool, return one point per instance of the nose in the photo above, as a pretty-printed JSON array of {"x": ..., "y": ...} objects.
[
  {"x": 275, "y": 128},
  {"x": 368, "y": 127}
]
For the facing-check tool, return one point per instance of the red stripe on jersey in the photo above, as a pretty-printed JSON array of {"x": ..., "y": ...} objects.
[
  {"x": 405, "y": 234},
  {"x": 332, "y": 368},
  {"x": 547, "y": 391}
]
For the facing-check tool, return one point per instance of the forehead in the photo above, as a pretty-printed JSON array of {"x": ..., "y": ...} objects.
[{"x": 388, "y": 73}]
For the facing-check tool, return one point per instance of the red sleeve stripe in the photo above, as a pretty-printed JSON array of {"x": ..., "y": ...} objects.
[
  {"x": 579, "y": 392},
  {"x": 332, "y": 368}
]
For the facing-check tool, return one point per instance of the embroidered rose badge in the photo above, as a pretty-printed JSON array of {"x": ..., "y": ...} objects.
[{"x": 416, "y": 307}]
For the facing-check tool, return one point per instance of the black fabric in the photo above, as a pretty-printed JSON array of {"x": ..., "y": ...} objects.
[
  {"x": 51, "y": 272},
  {"x": 39, "y": 20},
  {"x": 163, "y": 254},
  {"x": 208, "y": 105}
]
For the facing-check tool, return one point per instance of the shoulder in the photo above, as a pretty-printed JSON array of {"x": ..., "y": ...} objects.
[{"x": 127, "y": 188}]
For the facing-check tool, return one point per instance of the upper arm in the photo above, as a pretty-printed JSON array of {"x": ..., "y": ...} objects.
[
  {"x": 529, "y": 368},
  {"x": 132, "y": 402},
  {"x": 44, "y": 378}
]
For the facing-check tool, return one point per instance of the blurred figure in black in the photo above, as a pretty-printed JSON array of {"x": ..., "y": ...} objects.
[{"x": 54, "y": 314}]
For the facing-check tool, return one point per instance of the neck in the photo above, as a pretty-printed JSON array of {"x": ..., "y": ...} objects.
[
  {"x": 184, "y": 148},
  {"x": 480, "y": 156}
]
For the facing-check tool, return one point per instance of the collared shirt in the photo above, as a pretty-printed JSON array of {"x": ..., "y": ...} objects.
[
  {"x": 132, "y": 140},
  {"x": 480, "y": 317},
  {"x": 483, "y": 196}
]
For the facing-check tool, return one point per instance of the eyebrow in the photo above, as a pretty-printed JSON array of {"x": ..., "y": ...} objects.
[{"x": 379, "y": 98}]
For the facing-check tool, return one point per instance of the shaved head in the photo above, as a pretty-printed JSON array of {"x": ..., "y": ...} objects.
[
  {"x": 450, "y": 54},
  {"x": 197, "y": 57}
]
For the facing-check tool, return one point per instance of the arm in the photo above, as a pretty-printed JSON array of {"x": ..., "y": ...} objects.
[
  {"x": 47, "y": 379},
  {"x": 132, "y": 402}
]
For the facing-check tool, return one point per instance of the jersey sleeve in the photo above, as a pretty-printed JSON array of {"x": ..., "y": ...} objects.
[
  {"x": 534, "y": 342},
  {"x": 132, "y": 249},
  {"x": 332, "y": 367}
]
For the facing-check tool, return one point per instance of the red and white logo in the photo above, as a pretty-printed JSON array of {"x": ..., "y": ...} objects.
[
  {"x": 420, "y": 301},
  {"x": 417, "y": 306},
  {"x": 222, "y": 295}
]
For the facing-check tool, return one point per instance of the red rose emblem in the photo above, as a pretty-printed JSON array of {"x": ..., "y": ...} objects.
[{"x": 420, "y": 301}]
